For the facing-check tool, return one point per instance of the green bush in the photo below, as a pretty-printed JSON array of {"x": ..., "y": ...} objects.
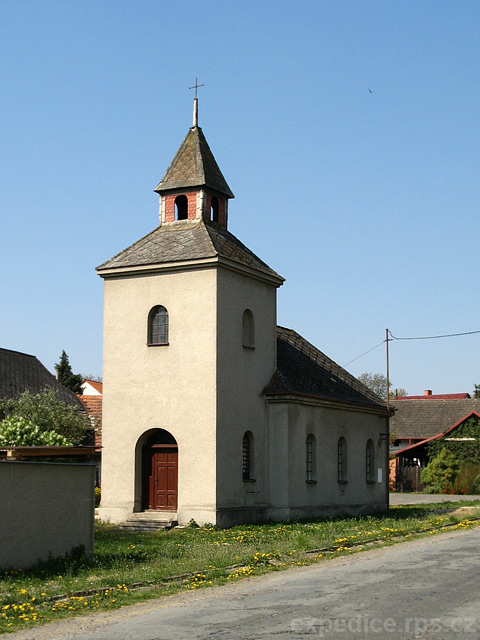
[
  {"x": 469, "y": 471},
  {"x": 16, "y": 431},
  {"x": 476, "y": 486},
  {"x": 440, "y": 475},
  {"x": 98, "y": 496}
]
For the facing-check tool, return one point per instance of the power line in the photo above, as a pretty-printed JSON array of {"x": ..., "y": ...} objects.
[
  {"x": 446, "y": 335},
  {"x": 364, "y": 354},
  {"x": 392, "y": 337}
]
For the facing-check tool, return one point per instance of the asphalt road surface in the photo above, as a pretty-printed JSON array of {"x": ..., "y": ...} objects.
[
  {"x": 424, "y": 498},
  {"x": 428, "y": 588}
]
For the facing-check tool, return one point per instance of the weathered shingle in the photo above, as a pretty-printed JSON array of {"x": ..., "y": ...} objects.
[
  {"x": 426, "y": 418},
  {"x": 194, "y": 166},
  {"x": 187, "y": 241},
  {"x": 303, "y": 369}
]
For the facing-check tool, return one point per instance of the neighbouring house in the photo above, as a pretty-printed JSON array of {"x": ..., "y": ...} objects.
[
  {"x": 210, "y": 410},
  {"x": 91, "y": 399},
  {"x": 20, "y": 372},
  {"x": 418, "y": 420}
]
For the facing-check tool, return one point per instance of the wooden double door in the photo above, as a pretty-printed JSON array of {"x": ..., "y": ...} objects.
[{"x": 160, "y": 481}]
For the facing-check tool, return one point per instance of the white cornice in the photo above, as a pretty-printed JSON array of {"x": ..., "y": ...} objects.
[{"x": 189, "y": 265}]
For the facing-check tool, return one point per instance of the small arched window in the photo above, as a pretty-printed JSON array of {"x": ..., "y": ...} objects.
[
  {"x": 181, "y": 208},
  {"x": 248, "y": 329},
  {"x": 248, "y": 457},
  {"x": 310, "y": 458},
  {"x": 214, "y": 209},
  {"x": 158, "y": 326},
  {"x": 370, "y": 462},
  {"x": 342, "y": 460}
]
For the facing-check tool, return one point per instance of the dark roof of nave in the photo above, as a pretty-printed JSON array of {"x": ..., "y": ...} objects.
[
  {"x": 194, "y": 166},
  {"x": 303, "y": 369},
  {"x": 186, "y": 240}
]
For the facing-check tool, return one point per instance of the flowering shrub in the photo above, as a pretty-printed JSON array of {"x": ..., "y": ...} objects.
[{"x": 16, "y": 431}]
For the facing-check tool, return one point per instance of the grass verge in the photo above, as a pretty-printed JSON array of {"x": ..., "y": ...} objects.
[{"x": 129, "y": 567}]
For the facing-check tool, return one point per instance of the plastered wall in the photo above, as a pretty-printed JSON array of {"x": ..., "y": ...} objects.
[{"x": 45, "y": 509}]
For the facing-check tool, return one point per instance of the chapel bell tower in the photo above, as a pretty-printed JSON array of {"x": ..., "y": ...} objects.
[{"x": 193, "y": 187}]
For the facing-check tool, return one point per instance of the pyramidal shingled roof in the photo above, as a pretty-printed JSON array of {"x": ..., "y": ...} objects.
[
  {"x": 194, "y": 166},
  {"x": 187, "y": 240}
]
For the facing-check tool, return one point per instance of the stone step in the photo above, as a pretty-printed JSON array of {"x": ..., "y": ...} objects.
[{"x": 149, "y": 521}]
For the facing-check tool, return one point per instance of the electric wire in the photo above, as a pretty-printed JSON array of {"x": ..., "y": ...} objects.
[
  {"x": 364, "y": 354},
  {"x": 446, "y": 335},
  {"x": 392, "y": 337}
]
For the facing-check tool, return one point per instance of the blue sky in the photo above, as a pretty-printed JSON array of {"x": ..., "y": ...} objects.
[{"x": 348, "y": 132}]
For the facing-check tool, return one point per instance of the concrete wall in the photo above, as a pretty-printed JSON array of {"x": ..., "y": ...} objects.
[
  {"x": 45, "y": 509},
  {"x": 171, "y": 387}
]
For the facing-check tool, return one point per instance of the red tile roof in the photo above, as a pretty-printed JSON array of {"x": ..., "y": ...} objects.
[
  {"x": 93, "y": 407},
  {"x": 98, "y": 386},
  {"x": 439, "y": 396}
]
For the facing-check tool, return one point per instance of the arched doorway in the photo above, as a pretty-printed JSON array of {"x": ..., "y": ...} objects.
[{"x": 160, "y": 472}]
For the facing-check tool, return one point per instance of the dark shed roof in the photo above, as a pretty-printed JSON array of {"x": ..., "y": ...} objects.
[
  {"x": 303, "y": 369},
  {"x": 21, "y": 372}
]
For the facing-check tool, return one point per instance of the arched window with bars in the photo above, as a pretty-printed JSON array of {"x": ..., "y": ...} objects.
[
  {"x": 310, "y": 459},
  {"x": 248, "y": 457},
  {"x": 157, "y": 326}
]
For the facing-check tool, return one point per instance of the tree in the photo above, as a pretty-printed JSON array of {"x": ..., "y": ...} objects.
[
  {"x": 66, "y": 376},
  {"x": 476, "y": 392},
  {"x": 91, "y": 376},
  {"x": 377, "y": 383},
  {"x": 47, "y": 412},
  {"x": 440, "y": 474}
]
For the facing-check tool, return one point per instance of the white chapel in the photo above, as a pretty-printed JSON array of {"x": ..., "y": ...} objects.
[{"x": 210, "y": 410}]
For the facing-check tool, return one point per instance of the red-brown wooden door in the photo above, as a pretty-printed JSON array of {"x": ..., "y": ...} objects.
[{"x": 163, "y": 478}]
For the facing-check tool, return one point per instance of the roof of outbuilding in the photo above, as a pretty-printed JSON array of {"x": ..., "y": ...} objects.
[
  {"x": 194, "y": 166},
  {"x": 187, "y": 240},
  {"x": 21, "y": 372},
  {"x": 420, "y": 420},
  {"x": 303, "y": 369},
  {"x": 436, "y": 396}
]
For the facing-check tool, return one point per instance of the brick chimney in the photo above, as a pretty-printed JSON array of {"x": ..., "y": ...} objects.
[{"x": 427, "y": 392}]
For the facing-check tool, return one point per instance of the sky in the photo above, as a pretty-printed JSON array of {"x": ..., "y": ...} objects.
[{"x": 348, "y": 132}]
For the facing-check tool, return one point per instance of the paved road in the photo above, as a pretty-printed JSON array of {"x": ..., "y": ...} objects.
[
  {"x": 429, "y": 588},
  {"x": 422, "y": 498}
]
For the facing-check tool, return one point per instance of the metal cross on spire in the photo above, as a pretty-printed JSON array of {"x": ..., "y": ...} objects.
[
  {"x": 195, "y": 102},
  {"x": 196, "y": 86}
]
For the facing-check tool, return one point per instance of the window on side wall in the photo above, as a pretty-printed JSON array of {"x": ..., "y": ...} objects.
[
  {"x": 248, "y": 457},
  {"x": 342, "y": 460},
  {"x": 310, "y": 459},
  {"x": 157, "y": 326},
  {"x": 370, "y": 462},
  {"x": 248, "y": 329}
]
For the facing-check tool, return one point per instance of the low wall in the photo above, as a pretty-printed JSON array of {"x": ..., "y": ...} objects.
[{"x": 45, "y": 510}]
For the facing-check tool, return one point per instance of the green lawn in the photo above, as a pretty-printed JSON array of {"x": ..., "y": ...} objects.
[{"x": 128, "y": 567}]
